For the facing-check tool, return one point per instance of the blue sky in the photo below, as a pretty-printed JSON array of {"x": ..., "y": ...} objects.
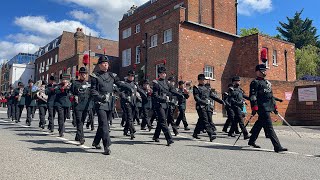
[{"x": 28, "y": 24}]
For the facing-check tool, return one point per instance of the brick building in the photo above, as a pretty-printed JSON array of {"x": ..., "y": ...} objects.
[
  {"x": 65, "y": 54},
  {"x": 195, "y": 36}
]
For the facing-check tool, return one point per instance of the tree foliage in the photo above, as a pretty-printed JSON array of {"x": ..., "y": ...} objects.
[
  {"x": 308, "y": 61},
  {"x": 298, "y": 31},
  {"x": 247, "y": 32}
]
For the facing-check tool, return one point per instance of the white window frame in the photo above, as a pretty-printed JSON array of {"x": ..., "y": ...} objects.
[
  {"x": 126, "y": 33},
  {"x": 150, "y": 19},
  {"x": 154, "y": 41},
  {"x": 138, "y": 57},
  {"x": 56, "y": 58},
  {"x": 178, "y": 5},
  {"x": 167, "y": 36},
  {"x": 126, "y": 57},
  {"x": 138, "y": 28},
  {"x": 275, "y": 58},
  {"x": 209, "y": 72}
]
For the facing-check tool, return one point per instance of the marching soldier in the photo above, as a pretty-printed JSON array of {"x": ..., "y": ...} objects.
[
  {"x": 237, "y": 102},
  {"x": 50, "y": 92},
  {"x": 182, "y": 105},
  {"x": 146, "y": 106},
  {"x": 20, "y": 98},
  {"x": 129, "y": 100},
  {"x": 30, "y": 101},
  {"x": 230, "y": 113},
  {"x": 62, "y": 102},
  {"x": 42, "y": 105},
  {"x": 160, "y": 99},
  {"x": 172, "y": 107},
  {"x": 202, "y": 96},
  {"x": 263, "y": 103},
  {"x": 82, "y": 102},
  {"x": 10, "y": 103},
  {"x": 102, "y": 91}
]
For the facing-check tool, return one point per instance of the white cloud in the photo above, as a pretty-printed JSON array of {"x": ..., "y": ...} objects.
[
  {"x": 107, "y": 13},
  {"x": 82, "y": 16},
  {"x": 248, "y": 7},
  {"x": 9, "y": 49},
  {"x": 39, "y": 25},
  {"x": 27, "y": 38}
]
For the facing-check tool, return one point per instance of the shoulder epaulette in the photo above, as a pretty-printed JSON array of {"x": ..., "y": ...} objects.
[
  {"x": 155, "y": 81},
  {"x": 93, "y": 75}
]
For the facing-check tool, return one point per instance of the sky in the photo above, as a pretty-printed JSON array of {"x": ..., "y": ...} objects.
[{"x": 26, "y": 25}]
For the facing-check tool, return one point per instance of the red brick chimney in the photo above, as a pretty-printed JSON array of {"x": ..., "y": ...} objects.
[{"x": 79, "y": 41}]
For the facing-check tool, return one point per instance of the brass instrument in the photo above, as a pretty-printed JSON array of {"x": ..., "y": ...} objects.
[
  {"x": 20, "y": 93},
  {"x": 40, "y": 91}
]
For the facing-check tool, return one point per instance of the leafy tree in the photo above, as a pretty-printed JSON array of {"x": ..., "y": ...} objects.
[
  {"x": 298, "y": 31},
  {"x": 247, "y": 32},
  {"x": 308, "y": 61}
]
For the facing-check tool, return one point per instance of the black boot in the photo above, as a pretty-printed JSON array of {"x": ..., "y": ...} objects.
[
  {"x": 247, "y": 136},
  {"x": 82, "y": 141},
  {"x": 169, "y": 142},
  {"x": 132, "y": 136},
  {"x": 155, "y": 139},
  {"x": 97, "y": 146},
  {"x": 186, "y": 128},
  {"x": 280, "y": 150},
  {"x": 195, "y": 136},
  {"x": 253, "y": 145},
  {"x": 212, "y": 137},
  {"x": 107, "y": 150}
]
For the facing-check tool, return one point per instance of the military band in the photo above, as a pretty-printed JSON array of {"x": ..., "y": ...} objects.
[{"x": 159, "y": 102}]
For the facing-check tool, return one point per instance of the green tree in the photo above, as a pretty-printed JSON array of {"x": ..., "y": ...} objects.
[
  {"x": 298, "y": 31},
  {"x": 247, "y": 32},
  {"x": 308, "y": 61}
]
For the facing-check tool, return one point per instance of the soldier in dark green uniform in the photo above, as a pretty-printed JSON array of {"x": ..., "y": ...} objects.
[
  {"x": 102, "y": 91},
  {"x": 182, "y": 105},
  {"x": 30, "y": 101},
  {"x": 62, "y": 102},
  {"x": 50, "y": 92},
  {"x": 42, "y": 105},
  {"x": 10, "y": 103},
  {"x": 20, "y": 98},
  {"x": 146, "y": 106},
  {"x": 263, "y": 103},
  {"x": 82, "y": 102},
  {"x": 172, "y": 107}
]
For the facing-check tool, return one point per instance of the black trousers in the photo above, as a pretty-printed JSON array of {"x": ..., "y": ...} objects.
[
  {"x": 264, "y": 121},
  {"x": 34, "y": 108},
  {"x": 145, "y": 117},
  {"x": 182, "y": 117},
  {"x": 237, "y": 119},
  {"x": 228, "y": 121},
  {"x": 136, "y": 114},
  {"x": 29, "y": 113},
  {"x": 103, "y": 128},
  {"x": 42, "y": 115},
  {"x": 90, "y": 121},
  {"x": 80, "y": 119},
  {"x": 129, "y": 110},
  {"x": 11, "y": 111},
  {"x": 210, "y": 114},
  {"x": 62, "y": 116},
  {"x": 52, "y": 114},
  {"x": 170, "y": 120},
  {"x": 19, "y": 109},
  {"x": 162, "y": 124},
  {"x": 203, "y": 122},
  {"x": 153, "y": 116}
]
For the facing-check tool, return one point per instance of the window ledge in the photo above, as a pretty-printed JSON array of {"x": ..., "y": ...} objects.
[
  {"x": 276, "y": 65},
  {"x": 211, "y": 79},
  {"x": 137, "y": 32},
  {"x": 153, "y": 47},
  {"x": 167, "y": 42}
]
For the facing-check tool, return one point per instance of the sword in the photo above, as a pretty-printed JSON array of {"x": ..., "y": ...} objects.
[
  {"x": 242, "y": 131},
  {"x": 288, "y": 125}
]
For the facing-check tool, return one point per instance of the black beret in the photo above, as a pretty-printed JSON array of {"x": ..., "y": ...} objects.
[
  {"x": 201, "y": 77},
  {"x": 261, "y": 67}
]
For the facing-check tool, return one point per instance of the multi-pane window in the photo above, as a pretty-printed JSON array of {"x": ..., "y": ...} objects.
[
  {"x": 274, "y": 57},
  {"x": 138, "y": 28},
  {"x": 154, "y": 40},
  {"x": 157, "y": 66},
  {"x": 126, "y": 58},
  {"x": 167, "y": 36},
  {"x": 126, "y": 33},
  {"x": 137, "y": 54},
  {"x": 208, "y": 72}
]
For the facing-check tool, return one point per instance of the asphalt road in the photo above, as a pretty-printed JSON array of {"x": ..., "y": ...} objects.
[{"x": 29, "y": 153}]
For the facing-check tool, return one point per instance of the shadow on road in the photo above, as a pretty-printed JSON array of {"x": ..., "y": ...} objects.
[
  {"x": 232, "y": 148},
  {"x": 62, "y": 150},
  {"x": 44, "y": 141}
]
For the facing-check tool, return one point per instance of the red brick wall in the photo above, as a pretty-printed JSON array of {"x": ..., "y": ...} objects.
[
  {"x": 199, "y": 47},
  {"x": 225, "y": 15},
  {"x": 278, "y": 72},
  {"x": 67, "y": 46}
]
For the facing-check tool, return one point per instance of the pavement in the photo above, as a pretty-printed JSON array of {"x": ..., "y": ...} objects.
[{"x": 31, "y": 153}]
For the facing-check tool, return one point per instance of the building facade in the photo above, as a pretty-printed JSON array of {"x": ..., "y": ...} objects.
[
  {"x": 194, "y": 36},
  {"x": 65, "y": 54},
  {"x": 21, "y": 73}
]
